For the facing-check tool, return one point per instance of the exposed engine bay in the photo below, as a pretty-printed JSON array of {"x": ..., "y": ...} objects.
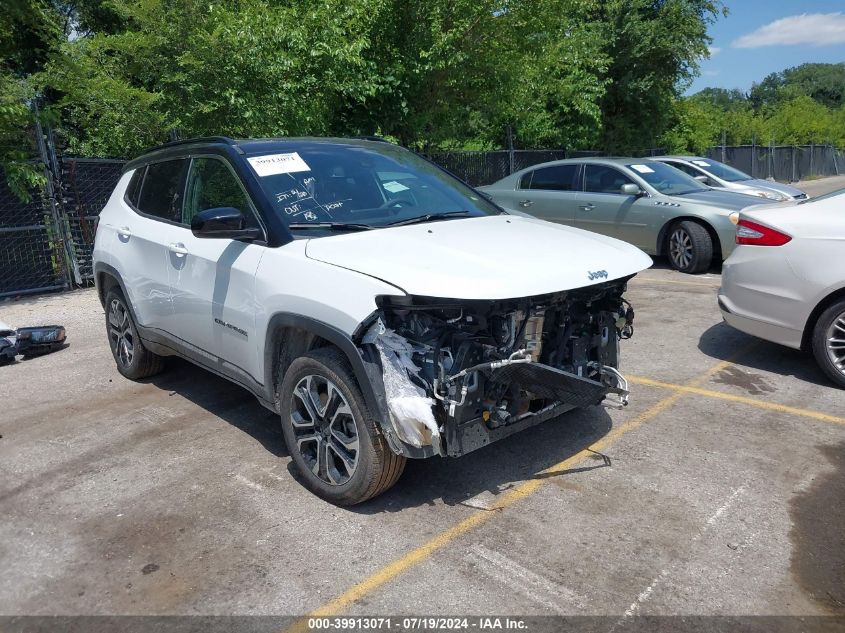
[{"x": 461, "y": 374}]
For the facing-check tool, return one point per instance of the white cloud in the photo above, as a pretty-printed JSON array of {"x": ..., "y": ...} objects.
[
  {"x": 711, "y": 73},
  {"x": 714, "y": 50},
  {"x": 815, "y": 29}
]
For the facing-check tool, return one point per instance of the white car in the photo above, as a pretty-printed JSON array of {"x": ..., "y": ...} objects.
[
  {"x": 785, "y": 281},
  {"x": 720, "y": 176},
  {"x": 383, "y": 309}
]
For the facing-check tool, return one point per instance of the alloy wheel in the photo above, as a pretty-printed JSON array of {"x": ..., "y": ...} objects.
[
  {"x": 835, "y": 342},
  {"x": 325, "y": 430},
  {"x": 680, "y": 248},
  {"x": 120, "y": 333}
]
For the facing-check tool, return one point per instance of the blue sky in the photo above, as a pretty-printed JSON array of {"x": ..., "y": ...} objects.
[{"x": 764, "y": 36}]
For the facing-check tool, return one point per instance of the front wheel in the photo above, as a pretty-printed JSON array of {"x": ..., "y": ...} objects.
[
  {"x": 132, "y": 358},
  {"x": 690, "y": 247},
  {"x": 829, "y": 342},
  {"x": 330, "y": 434}
]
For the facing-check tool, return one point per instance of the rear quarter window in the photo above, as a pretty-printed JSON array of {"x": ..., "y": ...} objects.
[
  {"x": 134, "y": 186},
  {"x": 162, "y": 189}
]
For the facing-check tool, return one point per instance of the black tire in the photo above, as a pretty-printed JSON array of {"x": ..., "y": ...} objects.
[
  {"x": 831, "y": 325},
  {"x": 137, "y": 362},
  {"x": 376, "y": 467},
  {"x": 689, "y": 247}
]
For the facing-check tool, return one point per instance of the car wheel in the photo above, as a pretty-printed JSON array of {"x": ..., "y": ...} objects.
[
  {"x": 690, "y": 247},
  {"x": 331, "y": 436},
  {"x": 829, "y": 342},
  {"x": 133, "y": 359}
]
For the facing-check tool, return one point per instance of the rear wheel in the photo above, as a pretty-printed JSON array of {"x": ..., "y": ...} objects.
[
  {"x": 690, "y": 247},
  {"x": 829, "y": 342},
  {"x": 133, "y": 360},
  {"x": 330, "y": 434}
]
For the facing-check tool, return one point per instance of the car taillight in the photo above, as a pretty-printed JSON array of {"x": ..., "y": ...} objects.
[{"x": 754, "y": 234}]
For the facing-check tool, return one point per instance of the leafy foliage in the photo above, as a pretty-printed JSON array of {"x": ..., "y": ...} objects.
[{"x": 801, "y": 105}]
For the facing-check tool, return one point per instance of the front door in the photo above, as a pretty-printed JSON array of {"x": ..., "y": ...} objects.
[
  {"x": 213, "y": 280},
  {"x": 602, "y": 206}
]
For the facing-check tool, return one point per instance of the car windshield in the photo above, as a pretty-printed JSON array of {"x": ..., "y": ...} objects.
[
  {"x": 720, "y": 170},
  {"x": 666, "y": 179},
  {"x": 314, "y": 184}
]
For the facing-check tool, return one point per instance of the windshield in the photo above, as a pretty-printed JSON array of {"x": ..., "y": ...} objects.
[
  {"x": 720, "y": 170},
  {"x": 318, "y": 183},
  {"x": 666, "y": 179}
]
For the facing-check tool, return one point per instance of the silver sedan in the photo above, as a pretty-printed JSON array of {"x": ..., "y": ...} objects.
[
  {"x": 653, "y": 206},
  {"x": 720, "y": 176},
  {"x": 785, "y": 281}
]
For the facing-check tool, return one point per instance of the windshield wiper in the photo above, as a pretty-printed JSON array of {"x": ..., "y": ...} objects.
[
  {"x": 331, "y": 226},
  {"x": 429, "y": 217}
]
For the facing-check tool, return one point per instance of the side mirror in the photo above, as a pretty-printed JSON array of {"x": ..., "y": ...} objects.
[
  {"x": 703, "y": 179},
  {"x": 223, "y": 223},
  {"x": 630, "y": 189}
]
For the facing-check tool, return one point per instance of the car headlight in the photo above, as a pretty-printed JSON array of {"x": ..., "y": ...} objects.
[{"x": 769, "y": 195}]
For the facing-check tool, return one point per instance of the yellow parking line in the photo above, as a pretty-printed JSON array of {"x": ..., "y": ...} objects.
[
  {"x": 414, "y": 557},
  {"x": 761, "y": 404}
]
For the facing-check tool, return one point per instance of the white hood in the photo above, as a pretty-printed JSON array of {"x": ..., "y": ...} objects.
[{"x": 493, "y": 257}]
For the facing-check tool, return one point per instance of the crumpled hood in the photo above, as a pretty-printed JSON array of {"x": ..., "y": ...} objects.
[
  {"x": 492, "y": 257},
  {"x": 727, "y": 200}
]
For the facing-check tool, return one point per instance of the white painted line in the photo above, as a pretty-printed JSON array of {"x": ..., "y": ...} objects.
[
  {"x": 249, "y": 483},
  {"x": 646, "y": 593},
  {"x": 530, "y": 584}
]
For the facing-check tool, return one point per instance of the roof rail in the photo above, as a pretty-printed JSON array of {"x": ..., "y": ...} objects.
[
  {"x": 370, "y": 137},
  {"x": 190, "y": 141}
]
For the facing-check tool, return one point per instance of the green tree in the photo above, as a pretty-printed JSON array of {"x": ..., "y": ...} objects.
[
  {"x": 654, "y": 47},
  {"x": 824, "y": 83}
]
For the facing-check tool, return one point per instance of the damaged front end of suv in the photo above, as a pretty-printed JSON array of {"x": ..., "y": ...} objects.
[{"x": 460, "y": 374}]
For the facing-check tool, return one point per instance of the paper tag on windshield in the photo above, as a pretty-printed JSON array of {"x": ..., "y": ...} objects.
[
  {"x": 701, "y": 163},
  {"x": 643, "y": 169},
  {"x": 273, "y": 164},
  {"x": 394, "y": 187}
]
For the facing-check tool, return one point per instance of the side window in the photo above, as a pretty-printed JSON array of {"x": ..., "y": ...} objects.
[
  {"x": 211, "y": 184},
  {"x": 555, "y": 178},
  {"x": 134, "y": 186},
  {"x": 161, "y": 191},
  {"x": 687, "y": 169},
  {"x": 525, "y": 181},
  {"x": 604, "y": 179}
]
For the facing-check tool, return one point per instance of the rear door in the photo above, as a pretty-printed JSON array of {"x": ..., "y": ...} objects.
[
  {"x": 549, "y": 193},
  {"x": 213, "y": 280},
  {"x": 154, "y": 201}
]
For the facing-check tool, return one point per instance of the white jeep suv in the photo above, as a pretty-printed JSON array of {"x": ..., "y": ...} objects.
[{"x": 381, "y": 307}]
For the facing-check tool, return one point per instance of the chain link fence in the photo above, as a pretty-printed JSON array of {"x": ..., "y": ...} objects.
[
  {"x": 786, "y": 163},
  {"x": 31, "y": 258},
  {"x": 481, "y": 168},
  {"x": 86, "y": 184},
  {"x": 46, "y": 242}
]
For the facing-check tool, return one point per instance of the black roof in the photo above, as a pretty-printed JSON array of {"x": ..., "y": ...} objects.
[{"x": 243, "y": 146}]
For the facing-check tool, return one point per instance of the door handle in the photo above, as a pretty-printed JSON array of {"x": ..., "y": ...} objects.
[
  {"x": 526, "y": 203},
  {"x": 124, "y": 231},
  {"x": 178, "y": 249},
  {"x": 587, "y": 207}
]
